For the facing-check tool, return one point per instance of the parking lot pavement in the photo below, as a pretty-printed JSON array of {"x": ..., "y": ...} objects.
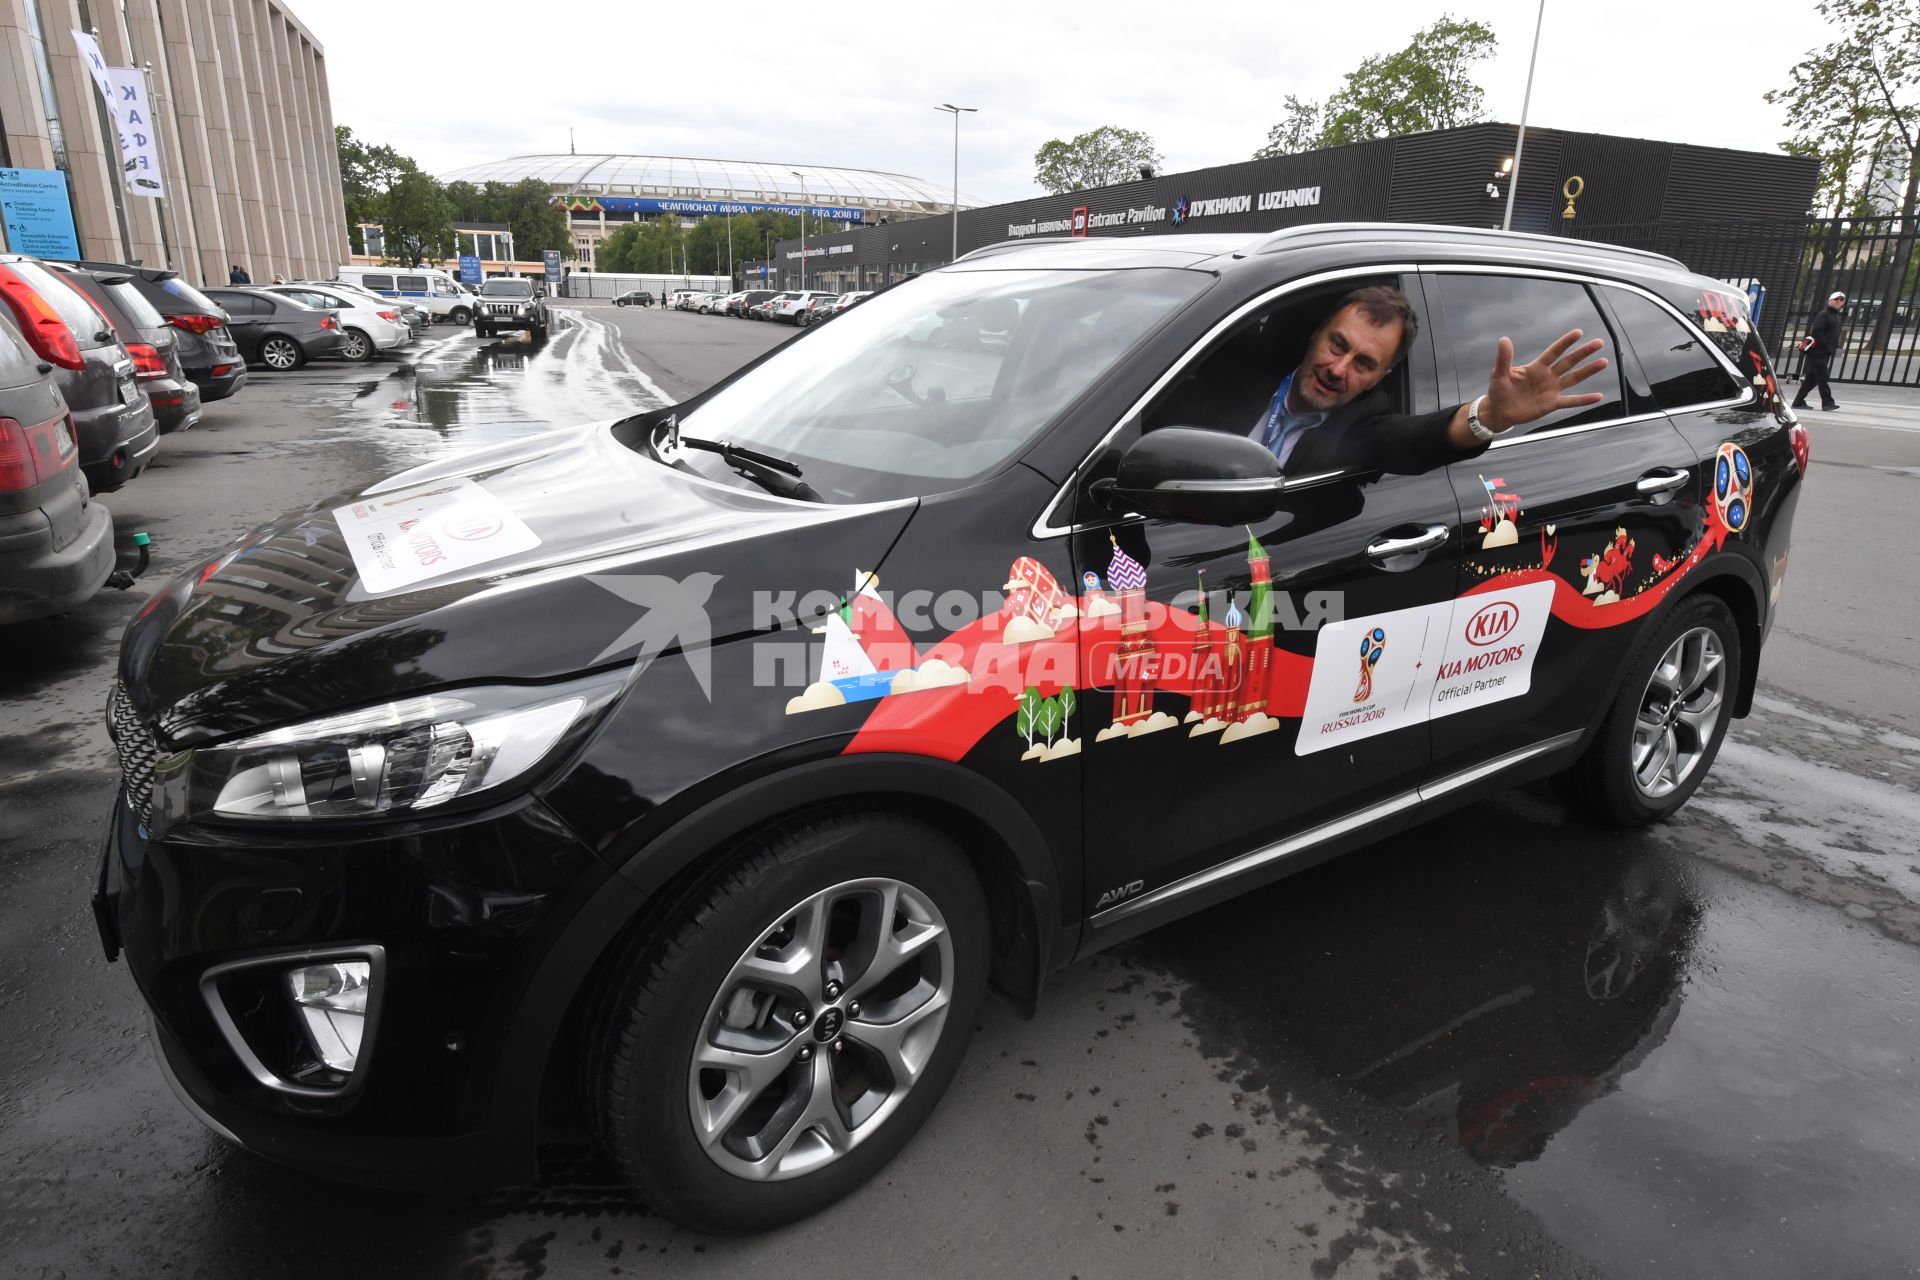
[{"x": 1499, "y": 1044}]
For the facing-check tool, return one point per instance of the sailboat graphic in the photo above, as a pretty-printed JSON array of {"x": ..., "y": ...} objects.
[{"x": 844, "y": 664}]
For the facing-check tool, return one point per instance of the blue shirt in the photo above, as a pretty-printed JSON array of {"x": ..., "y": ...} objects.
[{"x": 1279, "y": 428}]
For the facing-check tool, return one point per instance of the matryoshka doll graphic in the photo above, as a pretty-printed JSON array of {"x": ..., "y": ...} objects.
[{"x": 1372, "y": 645}]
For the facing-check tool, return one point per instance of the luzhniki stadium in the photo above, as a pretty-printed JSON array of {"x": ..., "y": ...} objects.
[{"x": 602, "y": 191}]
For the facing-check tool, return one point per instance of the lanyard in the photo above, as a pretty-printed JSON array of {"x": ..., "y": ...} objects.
[{"x": 1273, "y": 414}]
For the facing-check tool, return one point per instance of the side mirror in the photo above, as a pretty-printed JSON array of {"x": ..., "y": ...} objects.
[{"x": 1196, "y": 476}]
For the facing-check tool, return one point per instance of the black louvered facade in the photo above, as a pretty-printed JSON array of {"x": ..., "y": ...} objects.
[{"x": 1439, "y": 177}]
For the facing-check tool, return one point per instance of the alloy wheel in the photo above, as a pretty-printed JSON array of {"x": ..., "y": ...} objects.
[
  {"x": 1681, "y": 707},
  {"x": 356, "y": 346},
  {"x": 278, "y": 353},
  {"x": 820, "y": 1029}
]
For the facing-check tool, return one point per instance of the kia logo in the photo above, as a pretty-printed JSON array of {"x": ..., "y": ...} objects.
[
  {"x": 1492, "y": 623},
  {"x": 474, "y": 527}
]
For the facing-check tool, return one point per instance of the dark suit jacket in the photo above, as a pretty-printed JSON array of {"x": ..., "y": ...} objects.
[
  {"x": 1364, "y": 436},
  {"x": 1826, "y": 331}
]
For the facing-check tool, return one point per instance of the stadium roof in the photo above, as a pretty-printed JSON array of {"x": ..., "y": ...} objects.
[{"x": 744, "y": 180}]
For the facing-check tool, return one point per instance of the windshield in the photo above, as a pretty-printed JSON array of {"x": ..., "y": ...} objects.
[
  {"x": 506, "y": 289},
  {"x": 930, "y": 386}
]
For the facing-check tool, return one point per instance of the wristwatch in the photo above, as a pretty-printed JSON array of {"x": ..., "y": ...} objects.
[{"x": 1481, "y": 431}]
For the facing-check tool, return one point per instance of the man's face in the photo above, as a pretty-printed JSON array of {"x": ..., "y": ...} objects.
[
  {"x": 1348, "y": 357},
  {"x": 1836, "y": 303}
]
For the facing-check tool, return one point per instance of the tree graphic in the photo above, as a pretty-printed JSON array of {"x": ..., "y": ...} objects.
[
  {"x": 1067, "y": 703},
  {"x": 1025, "y": 720},
  {"x": 1048, "y": 718}
]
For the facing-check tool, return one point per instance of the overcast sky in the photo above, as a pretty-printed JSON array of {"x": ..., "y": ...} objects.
[{"x": 456, "y": 84}]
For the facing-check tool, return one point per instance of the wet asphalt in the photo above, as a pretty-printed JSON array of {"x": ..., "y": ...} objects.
[{"x": 1500, "y": 1044}]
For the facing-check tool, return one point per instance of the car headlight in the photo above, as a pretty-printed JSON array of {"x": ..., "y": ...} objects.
[
  {"x": 405, "y": 756},
  {"x": 521, "y": 309}
]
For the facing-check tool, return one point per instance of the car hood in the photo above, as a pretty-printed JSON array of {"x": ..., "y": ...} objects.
[{"x": 526, "y": 561}]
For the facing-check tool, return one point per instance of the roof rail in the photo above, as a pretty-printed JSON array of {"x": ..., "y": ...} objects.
[
  {"x": 1002, "y": 246},
  {"x": 1275, "y": 241}
]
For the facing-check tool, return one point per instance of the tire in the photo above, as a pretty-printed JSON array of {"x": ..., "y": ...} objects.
[
  {"x": 281, "y": 353},
  {"x": 460, "y": 316},
  {"x": 482, "y": 332},
  {"x": 681, "y": 986},
  {"x": 540, "y": 335},
  {"x": 1670, "y": 717},
  {"x": 357, "y": 347}
]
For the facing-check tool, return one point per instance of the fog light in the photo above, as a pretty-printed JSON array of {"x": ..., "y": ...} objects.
[{"x": 332, "y": 998}]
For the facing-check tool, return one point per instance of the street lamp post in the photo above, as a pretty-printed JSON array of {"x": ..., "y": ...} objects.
[
  {"x": 955, "y": 112},
  {"x": 1513, "y": 179},
  {"x": 803, "y": 225}
]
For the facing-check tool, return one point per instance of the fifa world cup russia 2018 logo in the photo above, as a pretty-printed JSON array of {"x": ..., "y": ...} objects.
[
  {"x": 1372, "y": 645},
  {"x": 1733, "y": 487}
]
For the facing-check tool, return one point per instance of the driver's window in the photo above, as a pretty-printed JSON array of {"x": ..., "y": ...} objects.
[{"x": 1230, "y": 385}]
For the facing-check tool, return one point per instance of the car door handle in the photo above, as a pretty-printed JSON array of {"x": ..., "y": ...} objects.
[
  {"x": 1385, "y": 548},
  {"x": 1665, "y": 480}
]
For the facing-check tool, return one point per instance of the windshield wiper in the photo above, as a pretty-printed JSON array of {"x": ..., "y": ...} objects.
[{"x": 775, "y": 475}]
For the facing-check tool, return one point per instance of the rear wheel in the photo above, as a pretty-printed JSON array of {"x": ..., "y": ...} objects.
[
  {"x": 460, "y": 316},
  {"x": 281, "y": 353},
  {"x": 1667, "y": 723},
  {"x": 780, "y": 1039},
  {"x": 356, "y": 346}
]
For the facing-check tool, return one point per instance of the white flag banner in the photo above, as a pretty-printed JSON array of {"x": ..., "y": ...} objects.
[
  {"x": 96, "y": 63},
  {"x": 139, "y": 144}
]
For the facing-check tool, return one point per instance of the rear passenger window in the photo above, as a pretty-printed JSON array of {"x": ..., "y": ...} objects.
[
  {"x": 382, "y": 284},
  {"x": 1680, "y": 370},
  {"x": 1480, "y": 310},
  {"x": 413, "y": 284}
]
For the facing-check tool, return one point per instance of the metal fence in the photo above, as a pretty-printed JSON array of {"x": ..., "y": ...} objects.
[{"x": 1800, "y": 261}]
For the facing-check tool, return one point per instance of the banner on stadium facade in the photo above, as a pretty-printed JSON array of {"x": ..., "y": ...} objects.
[{"x": 701, "y": 208}]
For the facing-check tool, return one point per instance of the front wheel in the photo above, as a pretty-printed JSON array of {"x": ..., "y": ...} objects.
[
  {"x": 460, "y": 316},
  {"x": 281, "y": 354},
  {"x": 482, "y": 331},
  {"x": 777, "y": 1041},
  {"x": 1667, "y": 723}
]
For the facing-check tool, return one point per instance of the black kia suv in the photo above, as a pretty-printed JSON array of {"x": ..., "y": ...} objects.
[{"x": 718, "y": 760}]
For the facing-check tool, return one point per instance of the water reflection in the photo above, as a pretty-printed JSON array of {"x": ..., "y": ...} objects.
[
  {"x": 484, "y": 391},
  {"x": 1489, "y": 986}
]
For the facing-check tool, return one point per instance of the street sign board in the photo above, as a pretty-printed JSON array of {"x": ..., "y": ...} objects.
[
  {"x": 38, "y": 213},
  {"x": 552, "y": 259},
  {"x": 469, "y": 268}
]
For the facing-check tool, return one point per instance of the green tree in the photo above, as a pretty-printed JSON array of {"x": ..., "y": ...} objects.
[
  {"x": 1427, "y": 85},
  {"x": 1851, "y": 105},
  {"x": 367, "y": 172},
  {"x": 417, "y": 220},
  {"x": 1298, "y": 130},
  {"x": 1100, "y": 157}
]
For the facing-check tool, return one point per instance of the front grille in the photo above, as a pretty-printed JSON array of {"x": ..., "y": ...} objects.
[{"x": 135, "y": 745}]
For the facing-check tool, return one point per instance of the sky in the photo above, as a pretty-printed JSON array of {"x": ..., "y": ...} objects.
[{"x": 857, "y": 85}]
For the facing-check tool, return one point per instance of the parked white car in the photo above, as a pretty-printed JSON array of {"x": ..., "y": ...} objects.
[
  {"x": 429, "y": 287},
  {"x": 789, "y": 306},
  {"x": 367, "y": 327}
]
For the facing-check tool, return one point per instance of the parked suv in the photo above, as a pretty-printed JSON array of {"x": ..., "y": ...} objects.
[
  {"x": 741, "y": 303},
  {"x": 511, "y": 304},
  {"x": 280, "y": 332},
  {"x": 149, "y": 339},
  {"x": 111, "y": 416},
  {"x": 207, "y": 350},
  {"x": 738, "y": 849},
  {"x": 790, "y": 305},
  {"x": 56, "y": 547}
]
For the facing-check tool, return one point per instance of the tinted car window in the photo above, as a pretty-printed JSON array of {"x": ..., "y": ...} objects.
[
  {"x": 377, "y": 282},
  {"x": 135, "y": 304},
  {"x": 17, "y": 360},
  {"x": 1480, "y": 310},
  {"x": 186, "y": 293},
  {"x": 82, "y": 320},
  {"x": 413, "y": 284},
  {"x": 1679, "y": 369},
  {"x": 506, "y": 289},
  {"x": 243, "y": 304}
]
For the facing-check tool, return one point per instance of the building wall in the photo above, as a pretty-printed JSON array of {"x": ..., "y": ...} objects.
[
  {"x": 245, "y": 124},
  {"x": 1438, "y": 177}
]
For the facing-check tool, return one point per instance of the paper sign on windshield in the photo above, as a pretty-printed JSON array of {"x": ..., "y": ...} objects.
[{"x": 399, "y": 539}]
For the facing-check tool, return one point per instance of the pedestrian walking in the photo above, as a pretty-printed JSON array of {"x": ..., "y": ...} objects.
[
  {"x": 1822, "y": 340},
  {"x": 236, "y": 276}
]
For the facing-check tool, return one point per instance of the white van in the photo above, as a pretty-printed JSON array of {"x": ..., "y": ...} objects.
[{"x": 430, "y": 287}]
